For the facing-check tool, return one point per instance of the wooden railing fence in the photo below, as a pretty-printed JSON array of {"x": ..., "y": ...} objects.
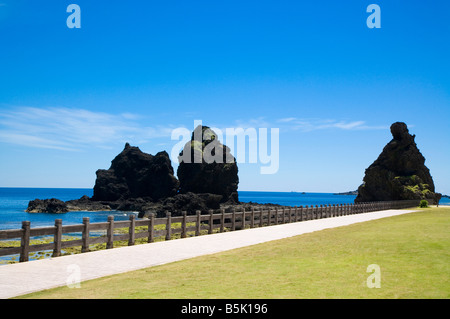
[{"x": 256, "y": 217}]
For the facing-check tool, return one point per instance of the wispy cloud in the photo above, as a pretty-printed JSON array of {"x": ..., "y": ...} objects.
[
  {"x": 73, "y": 129},
  {"x": 307, "y": 125},
  {"x": 253, "y": 122}
]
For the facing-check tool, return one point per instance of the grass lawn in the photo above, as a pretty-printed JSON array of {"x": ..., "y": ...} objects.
[{"x": 412, "y": 251}]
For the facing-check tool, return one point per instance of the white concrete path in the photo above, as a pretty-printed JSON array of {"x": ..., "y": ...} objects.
[{"x": 23, "y": 278}]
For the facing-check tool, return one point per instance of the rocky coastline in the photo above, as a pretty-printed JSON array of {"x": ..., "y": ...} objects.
[{"x": 145, "y": 183}]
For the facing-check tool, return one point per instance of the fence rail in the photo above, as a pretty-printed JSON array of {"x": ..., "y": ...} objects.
[{"x": 255, "y": 217}]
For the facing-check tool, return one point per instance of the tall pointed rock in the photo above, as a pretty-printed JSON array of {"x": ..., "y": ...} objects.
[
  {"x": 399, "y": 173},
  {"x": 207, "y": 166}
]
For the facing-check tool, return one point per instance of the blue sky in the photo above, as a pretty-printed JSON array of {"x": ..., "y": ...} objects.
[{"x": 71, "y": 98}]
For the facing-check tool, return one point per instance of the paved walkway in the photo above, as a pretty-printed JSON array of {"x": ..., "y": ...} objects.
[{"x": 23, "y": 278}]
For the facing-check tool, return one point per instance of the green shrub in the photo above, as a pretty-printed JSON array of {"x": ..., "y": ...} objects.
[{"x": 423, "y": 204}]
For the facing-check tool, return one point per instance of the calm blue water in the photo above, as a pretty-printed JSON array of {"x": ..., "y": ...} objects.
[{"x": 14, "y": 201}]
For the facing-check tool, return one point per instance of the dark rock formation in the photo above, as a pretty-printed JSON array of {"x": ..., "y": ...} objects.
[
  {"x": 85, "y": 203},
  {"x": 134, "y": 174},
  {"x": 399, "y": 173},
  {"x": 191, "y": 202},
  {"x": 52, "y": 206},
  {"x": 207, "y": 166},
  {"x": 140, "y": 182}
]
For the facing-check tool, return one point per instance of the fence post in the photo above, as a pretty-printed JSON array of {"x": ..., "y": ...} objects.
[
  {"x": 210, "y": 229},
  {"x": 183, "y": 225},
  {"x": 168, "y": 225},
  {"x": 25, "y": 241},
  {"x": 197, "y": 225},
  {"x": 222, "y": 221},
  {"x": 301, "y": 212},
  {"x": 243, "y": 218},
  {"x": 57, "y": 238},
  {"x": 233, "y": 220},
  {"x": 260, "y": 217},
  {"x": 252, "y": 221},
  {"x": 131, "y": 230},
  {"x": 151, "y": 232},
  {"x": 290, "y": 215},
  {"x": 110, "y": 233},
  {"x": 84, "y": 236}
]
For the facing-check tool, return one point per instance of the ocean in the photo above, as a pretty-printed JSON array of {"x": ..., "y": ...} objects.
[{"x": 14, "y": 202}]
